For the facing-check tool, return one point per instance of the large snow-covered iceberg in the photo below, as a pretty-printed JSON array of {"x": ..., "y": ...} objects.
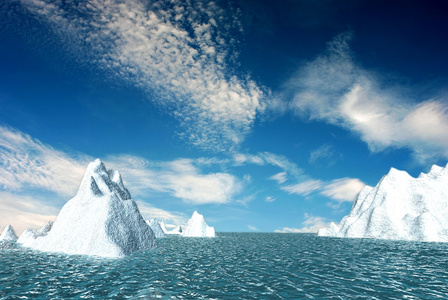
[
  {"x": 155, "y": 226},
  {"x": 197, "y": 227},
  {"x": 101, "y": 220},
  {"x": 399, "y": 207},
  {"x": 8, "y": 234}
]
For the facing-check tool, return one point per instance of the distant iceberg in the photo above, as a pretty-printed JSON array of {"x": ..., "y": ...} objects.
[
  {"x": 399, "y": 207},
  {"x": 155, "y": 226},
  {"x": 28, "y": 236},
  {"x": 197, "y": 227},
  {"x": 101, "y": 220},
  {"x": 8, "y": 234}
]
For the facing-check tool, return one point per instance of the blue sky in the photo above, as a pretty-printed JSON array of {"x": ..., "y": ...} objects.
[{"x": 263, "y": 116}]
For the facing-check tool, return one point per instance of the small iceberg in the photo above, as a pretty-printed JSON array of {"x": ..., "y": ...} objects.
[
  {"x": 197, "y": 227},
  {"x": 8, "y": 234}
]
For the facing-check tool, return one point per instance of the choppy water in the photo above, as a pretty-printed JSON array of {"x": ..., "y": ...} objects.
[{"x": 237, "y": 266}]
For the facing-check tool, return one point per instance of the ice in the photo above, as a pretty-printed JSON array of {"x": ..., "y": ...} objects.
[
  {"x": 28, "y": 236},
  {"x": 197, "y": 227},
  {"x": 101, "y": 220},
  {"x": 399, "y": 207},
  {"x": 8, "y": 234},
  {"x": 155, "y": 226},
  {"x": 163, "y": 227},
  {"x": 177, "y": 230}
]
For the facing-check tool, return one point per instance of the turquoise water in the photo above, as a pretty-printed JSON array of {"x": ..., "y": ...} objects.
[{"x": 236, "y": 266}]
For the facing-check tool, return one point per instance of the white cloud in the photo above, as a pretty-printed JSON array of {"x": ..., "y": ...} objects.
[
  {"x": 28, "y": 163},
  {"x": 279, "y": 177},
  {"x": 323, "y": 153},
  {"x": 334, "y": 88},
  {"x": 344, "y": 189},
  {"x": 181, "y": 178},
  {"x": 311, "y": 224},
  {"x": 251, "y": 227},
  {"x": 304, "y": 188},
  {"x": 341, "y": 190},
  {"x": 23, "y": 211},
  {"x": 270, "y": 199},
  {"x": 171, "y": 218},
  {"x": 177, "y": 49}
]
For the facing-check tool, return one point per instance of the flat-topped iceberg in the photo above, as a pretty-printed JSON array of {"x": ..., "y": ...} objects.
[
  {"x": 399, "y": 207},
  {"x": 8, "y": 234},
  {"x": 101, "y": 220},
  {"x": 197, "y": 227},
  {"x": 155, "y": 226}
]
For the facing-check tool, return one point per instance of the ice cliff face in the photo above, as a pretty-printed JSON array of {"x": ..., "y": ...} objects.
[
  {"x": 101, "y": 220},
  {"x": 399, "y": 207},
  {"x": 155, "y": 226},
  {"x": 8, "y": 234},
  {"x": 197, "y": 227}
]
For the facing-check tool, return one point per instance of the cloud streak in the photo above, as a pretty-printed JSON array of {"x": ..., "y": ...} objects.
[
  {"x": 28, "y": 163},
  {"x": 179, "y": 51},
  {"x": 335, "y": 89},
  {"x": 341, "y": 190},
  {"x": 312, "y": 224}
]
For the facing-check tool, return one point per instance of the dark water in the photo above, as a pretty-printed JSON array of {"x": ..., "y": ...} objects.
[{"x": 237, "y": 266}]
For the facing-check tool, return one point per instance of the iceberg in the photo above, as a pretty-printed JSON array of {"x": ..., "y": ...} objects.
[
  {"x": 155, "y": 226},
  {"x": 177, "y": 230},
  {"x": 163, "y": 227},
  {"x": 101, "y": 220},
  {"x": 197, "y": 227},
  {"x": 8, "y": 234},
  {"x": 399, "y": 207},
  {"x": 29, "y": 235}
]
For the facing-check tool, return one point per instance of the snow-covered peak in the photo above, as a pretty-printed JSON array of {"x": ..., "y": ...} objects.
[
  {"x": 8, "y": 234},
  {"x": 197, "y": 227},
  {"x": 98, "y": 182},
  {"x": 101, "y": 220}
]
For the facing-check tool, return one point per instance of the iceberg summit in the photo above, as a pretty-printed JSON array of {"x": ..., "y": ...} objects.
[
  {"x": 197, "y": 227},
  {"x": 101, "y": 220},
  {"x": 8, "y": 234},
  {"x": 399, "y": 207}
]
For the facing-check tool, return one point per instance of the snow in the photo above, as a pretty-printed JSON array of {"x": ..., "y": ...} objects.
[
  {"x": 28, "y": 236},
  {"x": 399, "y": 207},
  {"x": 163, "y": 227},
  {"x": 8, "y": 234},
  {"x": 155, "y": 226},
  {"x": 197, "y": 227},
  {"x": 101, "y": 220}
]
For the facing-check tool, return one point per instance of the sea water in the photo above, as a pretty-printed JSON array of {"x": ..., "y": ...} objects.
[{"x": 236, "y": 266}]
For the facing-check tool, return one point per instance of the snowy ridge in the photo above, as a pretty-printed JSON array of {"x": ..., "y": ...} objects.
[
  {"x": 28, "y": 236},
  {"x": 8, "y": 234},
  {"x": 101, "y": 220},
  {"x": 177, "y": 230},
  {"x": 155, "y": 226},
  {"x": 197, "y": 227},
  {"x": 399, "y": 207}
]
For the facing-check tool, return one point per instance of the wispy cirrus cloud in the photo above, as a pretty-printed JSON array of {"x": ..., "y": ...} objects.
[
  {"x": 336, "y": 89},
  {"x": 179, "y": 51},
  {"x": 27, "y": 163},
  {"x": 180, "y": 178},
  {"x": 341, "y": 190}
]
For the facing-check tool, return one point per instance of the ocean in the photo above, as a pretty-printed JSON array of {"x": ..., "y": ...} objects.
[{"x": 236, "y": 266}]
